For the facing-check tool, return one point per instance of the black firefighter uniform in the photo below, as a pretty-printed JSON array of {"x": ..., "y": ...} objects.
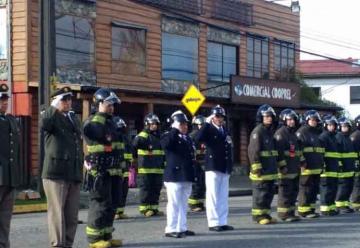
[{"x": 355, "y": 196}]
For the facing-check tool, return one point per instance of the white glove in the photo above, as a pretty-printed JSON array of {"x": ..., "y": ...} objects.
[
  {"x": 176, "y": 125},
  {"x": 209, "y": 118},
  {"x": 56, "y": 102}
]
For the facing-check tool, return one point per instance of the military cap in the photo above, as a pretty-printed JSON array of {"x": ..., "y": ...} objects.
[
  {"x": 4, "y": 91},
  {"x": 65, "y": 91}
]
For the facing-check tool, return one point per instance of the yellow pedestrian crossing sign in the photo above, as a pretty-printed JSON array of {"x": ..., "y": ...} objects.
[{"x": 193, "y": 99}]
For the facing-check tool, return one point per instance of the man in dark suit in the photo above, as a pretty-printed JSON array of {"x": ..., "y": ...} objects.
[
  {"x": 9, "y": 165},
  {"x": 62, "y": 172},
  {"x": 218, "y": 167}
]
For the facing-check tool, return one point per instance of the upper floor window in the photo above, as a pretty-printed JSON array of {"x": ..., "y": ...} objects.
[
  {"x": 284, "y": 60},
  {"x": 3, "y": 36},
  {"x": 257, "y": 57},
  {"x": 179, "y": 57},
  {"x": 354, "y": 94},
  {"x": 128, "y": 50},
  {"x": 222, "y": 62}
]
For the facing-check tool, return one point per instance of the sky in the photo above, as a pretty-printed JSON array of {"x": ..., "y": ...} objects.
[{"x": 329, "y": 27}]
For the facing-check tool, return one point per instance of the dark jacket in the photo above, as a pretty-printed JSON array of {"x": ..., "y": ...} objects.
[
  {"x": 348, "y": 155},
  {"x": 289, "y": 148},
  {"x": 9, "y": 151},
  {"x": 355, "y": 139},
  {"x": 331, "y": 155},
  {"x": 218, "y": 148},
  {"x": 63, "y": 146},
  {"x": 262, "y": 154},
  {"x": 180, "y": 157},
  {"x": 200, "y": 149},
  {"x": 312, "y": 148}
]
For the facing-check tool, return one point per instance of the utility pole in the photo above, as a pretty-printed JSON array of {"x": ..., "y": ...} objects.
[{"x": 47, "y": 69}]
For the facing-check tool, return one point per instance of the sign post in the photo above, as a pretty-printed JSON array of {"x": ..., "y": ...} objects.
[{"x": 193, "y": 99}]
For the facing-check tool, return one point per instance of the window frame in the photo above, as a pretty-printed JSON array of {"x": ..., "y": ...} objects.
[
  {"x": 265, "y": 74},
  {"x": 352, "y": 100},
  {"x": 6, "y": 55},
  {"x": 278, "y": 59}
]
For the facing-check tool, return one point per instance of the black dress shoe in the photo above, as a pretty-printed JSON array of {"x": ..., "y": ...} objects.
[
  {"x": 173, "y": 235},
  {"x": 227, "y": 228},
  {"x": 189, "y": 233},
  {"x": 216, "y": 229}
]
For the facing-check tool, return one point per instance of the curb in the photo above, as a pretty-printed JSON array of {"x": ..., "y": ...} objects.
[{"x": 30, "y": 208}]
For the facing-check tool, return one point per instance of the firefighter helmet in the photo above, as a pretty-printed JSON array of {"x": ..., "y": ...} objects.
[
  {"x": 218, "y": 110},
  {"x": 288, "y": 114},
  {"x": 329, "y": 120},
  {"x": 179, "y": 116},
  {"x": 198, "y": 120},
  {"x": 105, "y": 95},
  {"x": 151, "y": 119},
  {"x": 312, "y": 114},
  {"x": 265, "y": 110},
  {"x": 119, "y": 122},
  {"x": 344, "y": 121}
]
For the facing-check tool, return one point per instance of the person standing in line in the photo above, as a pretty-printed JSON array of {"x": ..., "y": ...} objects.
[
  {"x": 218, "y": 167},
  {"x": 63, "y": 163},
  {"x": 9, "y": 165},
  {"x": 355, "y": 139}
]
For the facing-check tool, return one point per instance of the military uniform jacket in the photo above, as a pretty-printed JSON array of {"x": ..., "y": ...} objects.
[
  {"x": 149, "y": 153},
  {"x": 105, "y": 147},
  {"x": 348, "y": 156},
  {"x": 332, "y": 155},
  {"x": 180, "y": 157},
  {"x": 289, "y": 149},
  {"x": 218, "y": 148},
  {"x": 9, "y": 151},
  {"x": 312, "y": 148},
  {"x": 355, "y": 139},
  {"x": 63, "y": 146},
  {"x": 263, "y": 155}
]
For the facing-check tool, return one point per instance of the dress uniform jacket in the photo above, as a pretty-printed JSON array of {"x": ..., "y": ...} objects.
[
  {"x": 63, "y": 146},
  {"x": 218, "y": 148},
  {"x": 180, "y": 157}
]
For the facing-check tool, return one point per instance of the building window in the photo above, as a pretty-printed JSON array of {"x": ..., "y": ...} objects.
[
  {"x": 3, "y": 36},
  {"x": 75, "y": 49},
  {"x": 128, "y": 50},
  {"x": 284, "y": 60},
  {"x": 257, "y": 57},
  {"x": 179, "y": 57},
  {"x": 222, "y": 62},
  {"x": 354, "y": 94}
]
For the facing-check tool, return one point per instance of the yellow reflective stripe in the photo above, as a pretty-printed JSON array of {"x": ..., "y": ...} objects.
[
  {"x": 297, "y": 153},
  {"x": 287, "y": 176},
  {"x": 193, "y": 201},
  {"x": 143, "y": 135},
  {"x": 255, "y": 177},
  {"x": 256, "y": 166},
  {"x": 281, "y": 163},
  {"x": 98, "y": 232},
  {"x": 126, "y": 174},
  {"x": 118, "y": 145},
  {"x": 341, "y": 204},
  {"x": 128, "y": 156},
  {"x": 256, "y": 212},
  {"x": 332, "y": 155},
  {"x": 98, "y": 119},
  {"x": 272, "y": 153},
  {"x": 114, "y": 172},
  {"x": 355, "y": 204},
  {"x": 349, "y": 155},
  {"x": 154, "y": 207},
  {"x": 329, "y": 174},
  {"x": 94, "y": 173},
  {"x": 356, "y": 174},
  {"x": 304, "y": 209},
  {"x": 144, "y": 207},
  {"x": 150, "y": 171},
  {"x": 325, "y": 208},
  {"x": 284, "y": 210},
  {"x": 98, "y": 148},
  {"x": 346, "y": 174},
  {"x": 307, "y": 172},
  {"x": 150, "y": 153},
  {"x": 314, "y": 149}
]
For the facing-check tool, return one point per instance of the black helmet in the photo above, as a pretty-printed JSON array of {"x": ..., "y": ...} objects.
[
  {"x": 329, "y": 120},
  {"x": 4, "y": 91},
  {"x": 288, "y": 114},
  {"x": 218, "y": 110},
  {"x": 344, "y": 121},
  {"x": 198, "y": 120},
  {"x": 312, "y": 114},
  {"x": 151, "y": 119},
  {"x": 264, "y": 110},
  {"x": 119, "y": 122},
  {"x": 105, "y": 95},
  {"x": 179, "y": 116}
]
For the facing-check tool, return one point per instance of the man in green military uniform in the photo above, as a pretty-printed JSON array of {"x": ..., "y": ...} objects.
[
  {"x": 62, "y": 172},
  {"x": 9, "y": 165}
]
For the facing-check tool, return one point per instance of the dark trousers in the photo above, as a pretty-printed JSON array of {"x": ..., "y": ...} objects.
[
  {"x": 7, "y": 198},
  {"x": 355, "y": 196},
  {"x": 308, "y": 190},
  {"x": 287, "y": 194},
  {"x": 328, "y": 190},
  {"x": 125, "y": 189},
  {"x": 198, "y": 189},
  {"x": 263, "y": 194},
  {"x": 345, "y": 187},
  {"x": 104, "y": 198},
  {"x": 150, "y": 186}
]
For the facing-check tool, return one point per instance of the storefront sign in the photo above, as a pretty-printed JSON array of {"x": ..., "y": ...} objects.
[
  {"x": 259, "y": 91},
  {"x": 193, "y": 99}
]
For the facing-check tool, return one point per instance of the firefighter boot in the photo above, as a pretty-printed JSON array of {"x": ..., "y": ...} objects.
[{"x": 100, "y": 244}]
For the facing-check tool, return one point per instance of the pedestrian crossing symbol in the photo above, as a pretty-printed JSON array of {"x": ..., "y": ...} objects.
[{"x": 193, "y": 99}]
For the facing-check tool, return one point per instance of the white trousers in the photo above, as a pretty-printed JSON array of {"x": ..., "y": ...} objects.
[
  {"x": 176, "y": 210},
  {"x": 217, "y": 196}
]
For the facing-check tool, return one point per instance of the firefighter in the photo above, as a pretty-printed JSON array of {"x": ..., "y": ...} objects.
[
  {"x": 348, "y": 157},
  {"x": 128, "y": 159},
  {"x": 264, "y": 161},
  {"x": 150, "y": 160},
  {"x": 288, "y": 148},
  {"x": 313, "y": 151},
  {"x": 329, "y": 175},
  {"x": 355, "y": 138},
  {"x": 218, "y": 167},
  {"x": 196, "y": 200},
  {"x": 103, "y": 159},
  {"x": 179, "y": 174}
]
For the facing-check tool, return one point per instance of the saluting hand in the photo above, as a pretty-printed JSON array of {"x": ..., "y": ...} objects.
[
  {"x": 176, "y": 125},
  {"x": 209, "y": 118}
]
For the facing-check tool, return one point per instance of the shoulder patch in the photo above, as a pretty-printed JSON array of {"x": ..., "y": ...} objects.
[
  {"x": 298, "y": 134},
  {"x": 254, "y": 136}
]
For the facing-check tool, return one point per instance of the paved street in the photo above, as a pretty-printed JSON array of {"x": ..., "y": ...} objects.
[{"x": 30, "y": 230}]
